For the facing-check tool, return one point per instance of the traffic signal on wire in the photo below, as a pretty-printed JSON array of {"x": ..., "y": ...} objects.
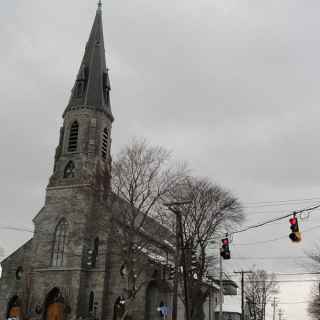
[
  {"x": 224, "y": 250},
  {"x": 295, "y": 234}
]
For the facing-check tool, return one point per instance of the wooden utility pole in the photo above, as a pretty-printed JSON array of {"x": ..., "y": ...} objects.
[
  {"x": 274, "y": 305},
  {"x": 242, "y": 290},
  {"x": 180, "y": 244},
  {"x": 221, "y": 288},
  {"x": 185, "y": 270},
  {"x": 176, "y": 273}
]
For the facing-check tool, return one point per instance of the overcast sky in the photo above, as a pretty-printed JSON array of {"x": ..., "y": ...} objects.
[{"x": 230, "y": 86}]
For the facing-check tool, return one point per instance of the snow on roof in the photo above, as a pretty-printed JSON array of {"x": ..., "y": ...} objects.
[{"x": 154, "y": 256}]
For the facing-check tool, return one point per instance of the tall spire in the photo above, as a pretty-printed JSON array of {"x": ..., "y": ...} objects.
[{"x": 92, "y": 85}]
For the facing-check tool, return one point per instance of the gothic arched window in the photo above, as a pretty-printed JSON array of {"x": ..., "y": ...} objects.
[
  {"x": 69, "y": 170},
  {"x": 73, "y": 136},
  {"x": 104, "y": 147},
  {"x": 59, "y": 243},
  {"x": 91, "y": 301}
]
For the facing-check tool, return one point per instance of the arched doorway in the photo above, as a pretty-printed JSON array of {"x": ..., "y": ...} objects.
[
  {"x": 119, "y": 308},
  {"x": 14, "y": 308},
  {"x": 157, "y": 294},
  {"x": 54, "y": 305}
]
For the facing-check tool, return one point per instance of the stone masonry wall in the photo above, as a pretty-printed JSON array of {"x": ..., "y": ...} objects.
[{"x": 9, "y": 284}]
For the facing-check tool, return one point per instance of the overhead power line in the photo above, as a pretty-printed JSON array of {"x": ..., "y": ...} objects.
[
  {"x": 275, "y": 219},
  {"x": 281, "y": 201},
  {"x": 16, "y": 229},
  {"x": 274, "y": 239},
  {"x": 270, "y": 258},
  {"x": 286, "y": 274}
]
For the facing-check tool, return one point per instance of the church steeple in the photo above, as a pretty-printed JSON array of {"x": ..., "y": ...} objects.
[
  {"x": 83, "y": 153},
  {"x": 92, "y": 85}
]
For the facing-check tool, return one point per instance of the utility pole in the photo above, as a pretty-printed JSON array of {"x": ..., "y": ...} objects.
[
  {"x": 274, "y": 305},
  {"x": 221, "y": 288},
  {"x": 210, "y": 298},
  {"x": 185, "y": 271},
  {"x": 176, "y": 273},
  {"x": 242, "y": 291},
  {"x": 180, "y": 244}
]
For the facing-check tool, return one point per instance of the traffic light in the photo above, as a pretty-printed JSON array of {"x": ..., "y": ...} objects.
[
  {"x": 89, "y": 257},
  {"x": 295, "y": 234},
  {"x": 224, "y": 250},
  {"x": 194, "y": 261},
  {"x": 194, "y": 265},
  {"x": 171, "y": 272}
]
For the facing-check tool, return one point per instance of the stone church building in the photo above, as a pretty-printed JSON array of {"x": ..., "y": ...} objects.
[{"x": 49, "y": 277}]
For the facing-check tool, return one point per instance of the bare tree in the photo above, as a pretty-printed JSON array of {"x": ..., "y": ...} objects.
[
  {"x": 211, "y": 212},
  {"x": 142, "y": 176},
  {"x": 259, "y": 287},
  {"x": 314, "y": 305}
]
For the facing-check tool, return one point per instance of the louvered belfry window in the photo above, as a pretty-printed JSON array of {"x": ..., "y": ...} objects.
[
  {"x": 73, "y": 137},
  {"x": 59, "y": 243},
  {"x": 104, "y": 148}
]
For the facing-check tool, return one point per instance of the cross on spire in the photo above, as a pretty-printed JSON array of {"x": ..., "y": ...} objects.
[{"x": 99, "y": 4}]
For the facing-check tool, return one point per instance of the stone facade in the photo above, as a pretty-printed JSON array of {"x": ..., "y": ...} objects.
[
  {"x": 52, "y": 268},
  {"x": 49, "y": 277}
]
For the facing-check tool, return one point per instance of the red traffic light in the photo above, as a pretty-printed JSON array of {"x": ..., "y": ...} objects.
[
  {"x": 295, "y": 234},
  {"x": 225, "y": 241},
  {"x": 293, "y": 221},
  {"x": 225, "y": 251}
]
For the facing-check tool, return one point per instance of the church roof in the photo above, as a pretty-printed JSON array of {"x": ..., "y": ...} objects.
[{"x": 92, "y": 85}]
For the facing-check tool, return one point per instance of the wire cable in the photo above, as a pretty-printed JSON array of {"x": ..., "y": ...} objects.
[
  {"x": 274, "y": 239},
  {"x": 275, "y": 219}
]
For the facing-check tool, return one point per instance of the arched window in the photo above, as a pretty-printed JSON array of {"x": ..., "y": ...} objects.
[
  {"x": 91, "y": 301},
  {"x": 19, "y": 273},
  {"x": 73, "y": 136},
  {"x": 104, "y": 148},
  {"x": 69, "y": 170},
  {"x": 59, "y": 243}
]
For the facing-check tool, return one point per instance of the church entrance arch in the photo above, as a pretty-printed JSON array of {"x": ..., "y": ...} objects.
[
  {"x": 14, "y": 308},
  {"x": 157, "y": 295},
  {"x": 54, "y": 305}
]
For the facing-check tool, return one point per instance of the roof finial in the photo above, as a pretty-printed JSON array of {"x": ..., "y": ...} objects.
[{"x": 99, "y": 4}]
